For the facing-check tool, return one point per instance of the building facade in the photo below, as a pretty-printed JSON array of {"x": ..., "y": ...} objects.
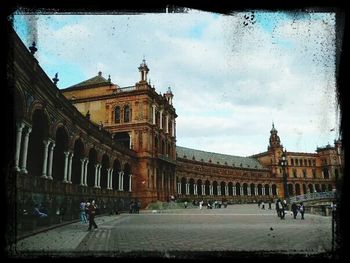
[{"x": 97, "y": 140}]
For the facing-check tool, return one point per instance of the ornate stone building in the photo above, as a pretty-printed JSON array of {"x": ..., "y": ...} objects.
[{"x": 110, "y": 143}]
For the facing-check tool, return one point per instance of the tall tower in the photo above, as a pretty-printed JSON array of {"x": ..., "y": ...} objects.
[
  {"x": 274, "y": 138},
  {"x": 144, "y": 71}
]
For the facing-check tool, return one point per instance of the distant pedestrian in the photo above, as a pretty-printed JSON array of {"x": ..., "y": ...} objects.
[
  {"x": 200, "y": 204},
  {"x": 259, "y": 202},
  {"x": 92, "y": 212},
  {"x": 87, "y": 210},
  {"x": 185, "y": 204},
  {"x": 270, "y": 205},
  {"x": 281, "y": 209},
  {"x": 294, "y": 208},
  {"x": 262, "y": 205},
  {"x": 82, "y": 208},
  {"x": 131, "y": 207},
  {"x": 302, "y": 210},
  {"x": 278, "y": 207}
]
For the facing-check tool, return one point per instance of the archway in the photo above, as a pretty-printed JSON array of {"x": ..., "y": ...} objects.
[
  {"x": 116, "y": 171},
  {"x": 207, "y": 187},
  {"x": 297, "y": 189},
  {"x": 238, "y": 189},
  {"x": 274, "y": 190},
  {"x": 91, "y": 167},
  {"x": 199, "y": 187},
  {"x": 252, "y": 189},
  {"x": 76, "y": 165},
  {"x": 127, "y": 172},
  {"x": 267, "y": 189},
  {"x": 245, "y": 189},
  {"x": 259, "y": 189},
  {"x": 104, "y": 172},
  {"x": 183, "y": 185},
  {"x": 191, "y": 182},
  {"x": 222, "y": 188},
  {"x": 215, "y": 188},
  {"x": 230, "y": 188},
  {"x": 61, "y": 144}
]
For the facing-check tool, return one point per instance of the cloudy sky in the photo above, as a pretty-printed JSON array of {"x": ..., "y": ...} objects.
[{"x": 231, "y": 75}]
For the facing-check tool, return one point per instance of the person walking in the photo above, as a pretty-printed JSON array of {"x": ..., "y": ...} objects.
[
  {"x": 269, "y": 205},
  {"x": 185, "y": 204},
  {"x": 83, "y": 212},
  {"x": 200, "y": 204},
  {"x": 281, "y": 209},
  {"x": 92, "y": 211},
  {"x": 294, "y": 208},
  {"x": 262, "y": 205},
  {"x": 302, "y": 210}
]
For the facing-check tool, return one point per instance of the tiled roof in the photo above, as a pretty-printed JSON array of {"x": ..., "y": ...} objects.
[
  {"x": 218, "y": 158},
  {"x": 95, "y": 81}
]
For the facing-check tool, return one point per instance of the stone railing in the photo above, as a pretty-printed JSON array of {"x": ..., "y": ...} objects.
[{"x": 313, "y": 196}]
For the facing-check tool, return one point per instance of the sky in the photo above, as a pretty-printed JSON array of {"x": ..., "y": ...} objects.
[{"x": 232, "y": 76}]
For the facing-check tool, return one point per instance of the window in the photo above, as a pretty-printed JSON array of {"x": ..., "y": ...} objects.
[
  {"x": 304, "y": 173},
  {"x": 305, "y": 162},
  {"x": 117, "y": 114},
  {"x": 309, "y": 162},
  {"x": 296, "y": 162},
  {"x": 314, "y": 173},
  {"x": 127, "y": 113},
  {"x": 314, "y": 162},
  {"x": 292, "y": 161},
  {"x": 295, "y": 173}
]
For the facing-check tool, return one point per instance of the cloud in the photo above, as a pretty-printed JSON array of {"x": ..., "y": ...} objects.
[{"x": 229, "y": 81}]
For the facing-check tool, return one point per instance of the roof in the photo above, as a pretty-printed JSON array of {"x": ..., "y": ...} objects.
[
  {"x": 223, "y": 159},
  {"x": 96, "y": 81}
]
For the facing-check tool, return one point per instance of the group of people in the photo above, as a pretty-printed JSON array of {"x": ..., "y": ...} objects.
[
  {"x": 134, "y": 207},
  {"x": 281, "y": 207},
  {"x": 88, "y": 212},
  {"x": 261, "y": 204}
]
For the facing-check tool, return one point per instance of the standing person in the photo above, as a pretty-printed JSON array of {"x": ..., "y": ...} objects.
[
  {"x": 87, "y": 210},
  {"x": 83, "y": 212},
  {"x": 278, "y": 207},
  {"x": 185, "y": 204},
  {"x": 302, "y": 210},
  {"x": 281, "y": 209},
  {"x": 294, "y": 208},
  {"x": 131, "y": 207},
  {"x": 92, "y": 211},
  {"x": 270, "y": 205},
  {"x": 262, "y": 205},
  {"x": 200, "y": 204}
]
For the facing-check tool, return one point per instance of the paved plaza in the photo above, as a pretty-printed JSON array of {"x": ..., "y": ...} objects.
[{"x": 236, "y": 228}]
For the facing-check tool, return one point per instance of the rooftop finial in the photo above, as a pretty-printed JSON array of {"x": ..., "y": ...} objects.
[
  {"x": 109, "y": 78},
  {"x": 55, "y": 79},
  {"x": 33, "y": 48},
  {"x": 100, "y": 73}
]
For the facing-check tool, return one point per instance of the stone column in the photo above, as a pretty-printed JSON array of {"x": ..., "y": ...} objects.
[
  {"x": 108, "y": 177},
  {"x": 46, "y": 147},
  {"x": 210, "y": 189},
  {"x": 187, "y": 188},
  {"x": 263, "y": 191},
  {"x": 203, "y": 189},
  {"x": 167, "y": 124},
  {"x": 130, "y": 175},
  {"x": 173, "y": 127},
  {"x": 111, "y": 180},
  {"x": 241, "y": 190},
  {"x": 161, "y": 119},
  {"x": 82, "y": 172},
  {"x": 86, "y": 171},
  {"x": 99, "y": 176},
  {"x": 270, "y": 190},
  {"x": 19, "y": 128},
  {"x": 195, "y": 189},
  {"x": 96, "y": 175},
  {"x": 226, "y": 189},
  {"x": 66, "y": 160},
  {"x": 49, "y": 174},
  {"x": 121, "y": 182},
  {"x": 25, "y": 152},
  {"x": 256, "y": 190},
  {"x": 153, "y": 114},
  {"x": 218, "y": 189},
  {"x": 234, "y": 190},
  {"x": 70, "y": 168},
  {"x": 249, "y": 192}
]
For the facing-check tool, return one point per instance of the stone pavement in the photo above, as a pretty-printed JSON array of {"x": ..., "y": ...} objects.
[{"x": 235, "y": 228}]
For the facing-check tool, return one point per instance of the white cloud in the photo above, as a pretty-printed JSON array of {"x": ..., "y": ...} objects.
[{"x": 230, "y": 82}]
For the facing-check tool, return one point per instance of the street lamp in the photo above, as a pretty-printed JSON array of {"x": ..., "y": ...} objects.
[{"x": 283, "y": 164}]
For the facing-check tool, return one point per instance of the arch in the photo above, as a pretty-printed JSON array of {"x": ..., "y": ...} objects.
[
  {"x": 207, "y": 187},
  {"x": 304, "y": 189},
  {"x": 61, "y": 146},
  {"x": 76, "y": 165},
  {"x": 91, "y": 167},
  {"x": 274, "y": 189},
  {"x": 191, "y": 186},
  {"x": 297, "y": 189},
  {"x": 117, "y": 114},
  {"x": 116, "y": 171},
  {"x": 323, "y": 188},
  {"x": 245, "y": 189},
  {"x": 238, "y": 189},
  {"x": 230, "y": 190},
  {"x": 127, "y": 172},
  {"x": 330, "y": 188},
  {"x": 259, "y": 189},
  {"x": 127, "y": 113},
  {"x": 267, "y": 189},
  {"x": 310, "y": 188},
  {"x": 20, "y": 105},
  {"x": 104, "y": 173},
  {"x": 223, "y": 188},
  {"x": 122, "y": 139},
  {"x": 317, "y": 188},
  {"x": 199, "y": 187},
  {"x": 183, "y": 185},
  {"x": 290, "y": 190},
  {"x": 215, "y": 188},
  {"x": 252, "y": 189},
  {"x": 39, "y": 133}
]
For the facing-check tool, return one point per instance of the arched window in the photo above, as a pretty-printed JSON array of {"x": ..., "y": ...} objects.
[
  {"x": 117, "y": 114},
  {"x": 127, "y": 113}
]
